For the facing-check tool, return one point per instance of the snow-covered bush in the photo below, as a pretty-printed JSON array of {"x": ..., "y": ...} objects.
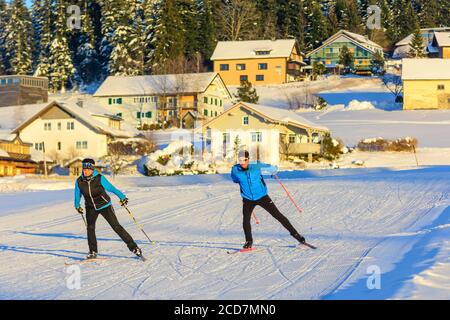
[
  {"x": 381, "y": 144},
  {"x": 332, "y": 148},
  {"x": 177, "y": 159}
]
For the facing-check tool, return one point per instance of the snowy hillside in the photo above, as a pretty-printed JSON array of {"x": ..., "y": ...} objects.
[{"x": 394, "y": 220}]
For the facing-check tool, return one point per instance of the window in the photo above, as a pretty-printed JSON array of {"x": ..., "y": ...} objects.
[
  {"x": 59, "y": 125},
  {"x": 148, "y": 114},
  {"x": 259, "y": 77},
  {"x": 81, "y": 145},
  {"x": 205, "y": 99},
  {"x": 216, "y": 113},
  {"x": 292, "y": 138},
  {"x": 240, "y": 66},
  {"x": 138, "y": 115},
  {"x": 243, "y": 78},
  {"x": 220, "y": 102},
  {"x": 256, "y": 136},
  {"x": 109, "y": 101},
  {"x": 39, "y": 146},
  {"x": 205, "y": 112},
  {"x": 215, "y": 102},
  {"x": 262, "y": 66},
  {"x": 119, "y": 100},
  {"x": 59, "y": 146},
  {"x": 262, "y": 52},
  {"x": 119, "y": 114},
  {"x": 441, "y": 87},
  {"x": 245, "y": 120},
  {"x": 70, "y": 125},
  {"x": 47, "y": 126},
  {"x": 224, "y": 67}
]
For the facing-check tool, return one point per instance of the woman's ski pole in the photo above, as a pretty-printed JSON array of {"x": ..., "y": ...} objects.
[
  {"x": 289, "y": 195},
  {"x": 84, "y": 220},
  {"x": 138, "y": 225}
]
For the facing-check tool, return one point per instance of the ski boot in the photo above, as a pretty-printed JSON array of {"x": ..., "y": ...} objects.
[
  {"x": 91, "y": 255},
  {"x": 299, "y": 238},
  {"x": 137, "y": 251},
  {"x": 248, "y": 245}
]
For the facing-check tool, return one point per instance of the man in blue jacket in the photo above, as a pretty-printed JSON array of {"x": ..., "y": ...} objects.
[
  {"x": 93, "y": 187},
  {"x": 254, "y": 193}
]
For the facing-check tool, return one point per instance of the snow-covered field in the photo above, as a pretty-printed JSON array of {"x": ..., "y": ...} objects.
[{"x": 360, "y": 219}]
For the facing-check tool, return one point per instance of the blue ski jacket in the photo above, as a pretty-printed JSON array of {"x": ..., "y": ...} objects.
[
  {"x": 251, "y": 181},
  {"x": 94, "y": 191}
]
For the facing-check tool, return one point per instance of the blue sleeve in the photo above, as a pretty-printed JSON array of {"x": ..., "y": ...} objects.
[
  {"x": 233, "y": 176},
  {"x": 269, "y": 170},
  {"x": 261, "y": 165},
  {"x": 109, "y": 187},
  {"x": 77, "y": 195}
]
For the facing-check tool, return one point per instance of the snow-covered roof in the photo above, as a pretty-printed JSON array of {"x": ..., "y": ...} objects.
[
  {"x": 80, "y": 113},
  {"x": 281, "y": 48},
  {"x": 442, "y": 38},
  {"x": 284, "y": 116},
  {"x": 6, "y": 135},
  {"x": 426, "y": 69},
  {"x": 273, "y": 114},
  {"x": 11, "y": 117},
  {"x": 358, "y": 39},
  {"x": 407, "y": 40},
  {"x": 155, "y": 84}
]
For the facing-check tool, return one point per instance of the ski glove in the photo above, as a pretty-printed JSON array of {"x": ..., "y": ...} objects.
[
  {"x": 124, "y": 202},
  {"x": 80, "y": 210}
]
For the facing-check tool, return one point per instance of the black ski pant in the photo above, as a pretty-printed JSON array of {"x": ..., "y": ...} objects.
[
  {"x": 110, "y": 216},
  {"x": 267, "y": 204}
]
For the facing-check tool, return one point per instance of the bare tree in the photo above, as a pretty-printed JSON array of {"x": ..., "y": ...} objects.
[
  {"x": 238, "y": 19},
  {"x": 394, "y": 84}
]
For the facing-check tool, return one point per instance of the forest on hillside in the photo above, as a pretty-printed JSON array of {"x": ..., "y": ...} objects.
[{"x": 76, "y": 43}]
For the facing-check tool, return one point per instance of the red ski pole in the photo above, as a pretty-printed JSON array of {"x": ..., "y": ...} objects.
[{"x": 289, "y": 195}]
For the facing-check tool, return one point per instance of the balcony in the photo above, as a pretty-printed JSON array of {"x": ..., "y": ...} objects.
[{"x": 301, "y": 148}]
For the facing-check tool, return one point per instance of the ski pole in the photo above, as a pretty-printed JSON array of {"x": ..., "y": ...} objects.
[
  {"x": 288, "y": 194},
  {"x": 255, "y": 217},
  {"x": 84, "y": 220},
  {"x": 138, "y": 225}
]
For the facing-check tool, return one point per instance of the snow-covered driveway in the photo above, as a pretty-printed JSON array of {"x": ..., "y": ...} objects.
[{"x": 395, "y": 220}]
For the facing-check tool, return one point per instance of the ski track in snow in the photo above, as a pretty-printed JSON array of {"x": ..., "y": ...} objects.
[{"x": 346, "y": 217}]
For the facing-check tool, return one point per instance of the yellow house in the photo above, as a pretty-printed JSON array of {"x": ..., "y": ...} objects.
[
  {"x": 154, "y": 99},
  {"x": 258, "y": 61},
  {"x": 269, "y": 134},
  {"x": 426, "y": 83},
  {"x": 441, "y": 42}
]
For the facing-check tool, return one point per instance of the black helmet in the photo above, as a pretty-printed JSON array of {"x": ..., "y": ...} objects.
[
  {"x": 88, "y": 163},
  {"x": 243, "y": 154}
]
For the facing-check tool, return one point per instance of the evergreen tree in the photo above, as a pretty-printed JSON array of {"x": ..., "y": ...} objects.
[
  {"x": 416, "y": 50},
  {"x": 246, "y": 93},
  {"x": 19, "y": 39},
  {"x": 267, "y": 19},
  {"x": 126, "y": 56},
  {"x": 207, "y": 38},
  {"x": 3, "y": 23},
  {"x": 86, "y": 57},
  {"x": 61, "y": 69},
  {"x": 316, "y": 26},
  {"x": 378, "y": 61},
  {"x": 429, "y": 13},
  {"x": 346, "y": 58},
  {"x": 167, "y": 37},
  {"x": 43, "y": 22},
  {"x": 187, "y": 10}
]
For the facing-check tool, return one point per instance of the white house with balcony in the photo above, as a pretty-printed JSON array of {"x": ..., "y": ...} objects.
[
  {"x": 152, "y": 99},
  {"x": 65, "y": 130},
  {"x": 270, "y": 134}
]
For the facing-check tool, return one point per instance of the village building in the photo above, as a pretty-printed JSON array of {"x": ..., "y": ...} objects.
[
  {"x": 441, "y": 45},
  {"x": 403, "y": 47},
  {"x": 19, "y": 90},
  {"x": 180, "y": 98},
  {"x": 426, "y": 84},
  {"x": 65, "y": 130},
  {"x": 15, "y": 156},
  {"x": 361, "y": 47},
  {"x": 270, "y": 134},
  {"x": 259, "y": 62}
]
